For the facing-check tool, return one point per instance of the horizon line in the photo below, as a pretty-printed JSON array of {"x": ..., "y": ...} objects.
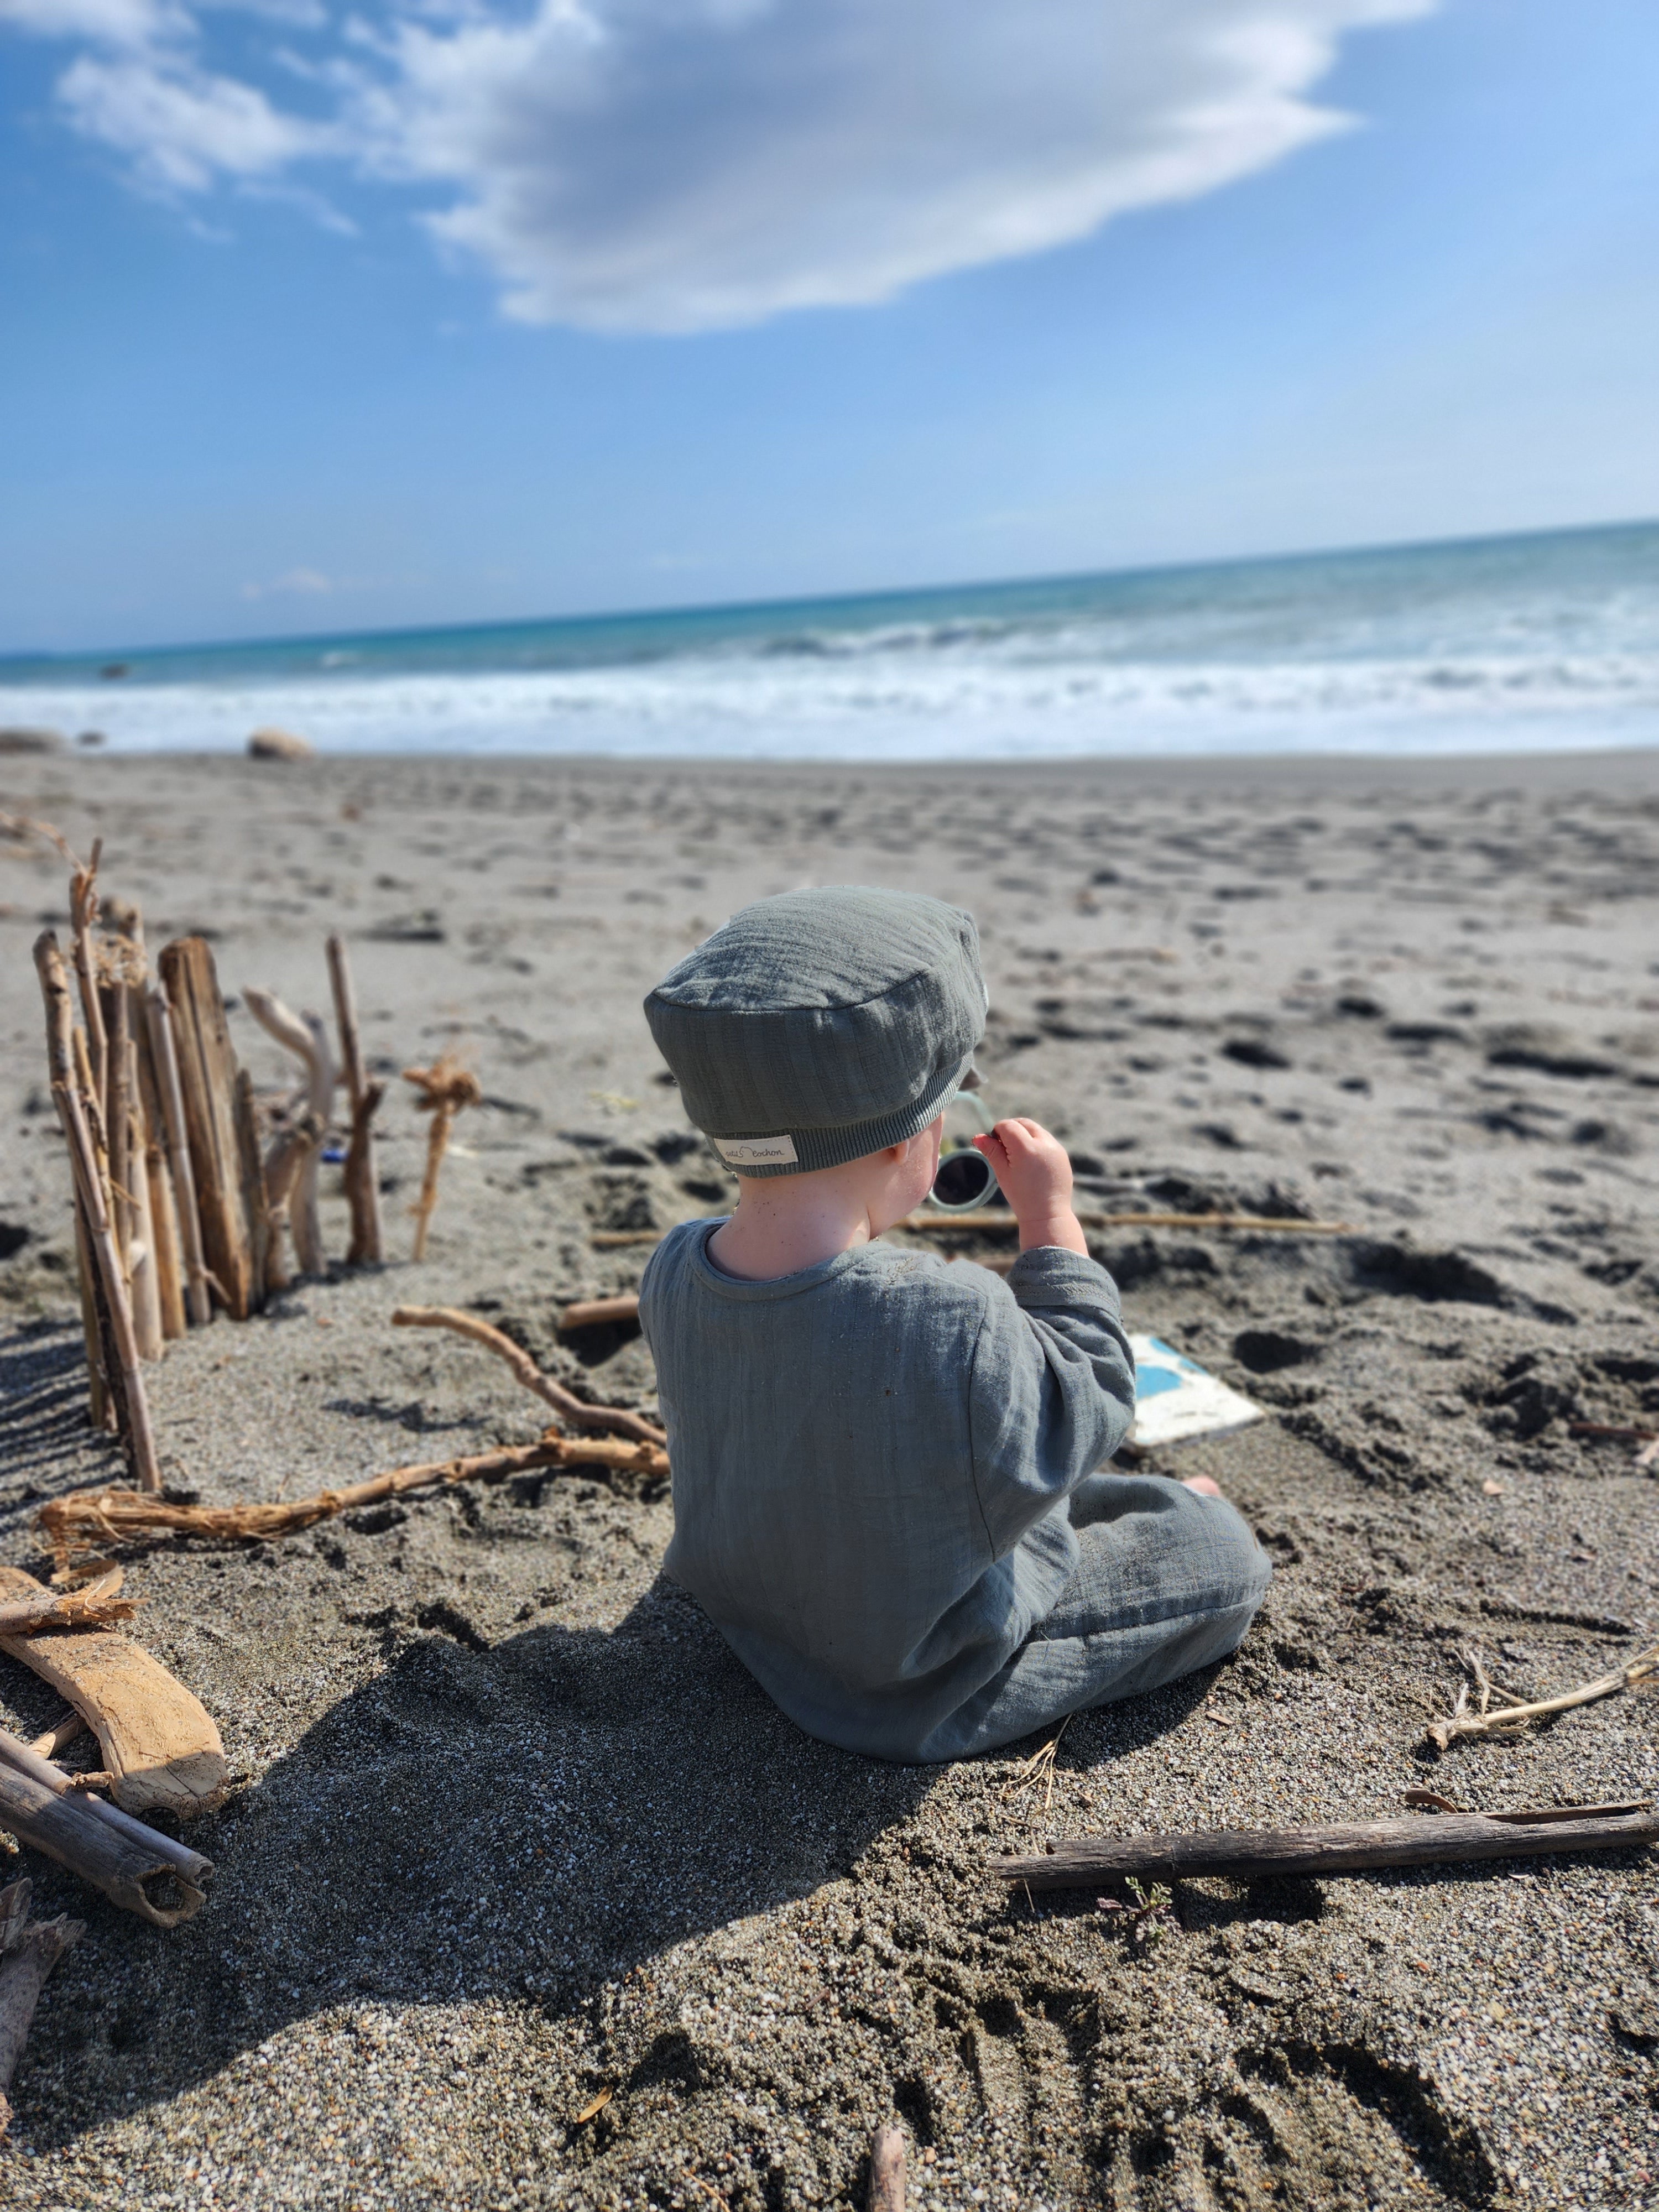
[{"x": 867, "y": 594}]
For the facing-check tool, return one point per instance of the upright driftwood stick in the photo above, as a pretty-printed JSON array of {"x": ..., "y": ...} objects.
[
  {"x": 83, "y": 913},
  {"x": 253, "y": 1181},
  {"x": 443, "y": 1089},
  {"x": 142, "y": 1273},
  {"x": 304, "y": 1035},
  {"x": 100, "y": 1410},
  {"x": 158, "y": 1176},
  {"x": 24, "y": 1967},
  {"x": 361, "y": 1181},
  {"x": 284, "y": 1162},
  {"x": 60, "y": 1021},
  {"x": 887, "y": 2171},
  {"x": 165, "y": 1058},
  {"x": 207, "y": 1080},
  {"x": 1250, "y": 1854}
]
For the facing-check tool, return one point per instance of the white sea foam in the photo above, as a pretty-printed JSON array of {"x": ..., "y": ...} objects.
[{"x": 895, "y": 704}]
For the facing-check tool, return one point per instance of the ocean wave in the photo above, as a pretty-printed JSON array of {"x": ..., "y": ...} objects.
[{"x": 976, "y": 700}]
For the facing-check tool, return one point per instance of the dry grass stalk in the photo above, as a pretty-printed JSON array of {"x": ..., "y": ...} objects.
[
  {"x": 445, "y": 1088},
  {"x": 132, "y": 1406},
  {"x": 304, "y": 1035},
  {"x": 570, "y": 1408},
  {"x": 164, "y": 1058},
  {"x": 1039, "y": 1768},
  {"x": 206, "y": 1062},
  {"x": 25, "y": 826},
  {"x": 75, "y": 1523},
  {"x": 1505, "y": 1720},
  {"x": 363, "y": 1183}
]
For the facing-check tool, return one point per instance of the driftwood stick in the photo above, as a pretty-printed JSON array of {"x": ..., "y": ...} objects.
[
  {"x": 207, "y": 1080},
  {"x": 165, "y": 1055},
  {"x": 142, "y": 1275},
  {"x": 565, "y": 1403},
  {"x": 118, "y": 1126},
  {"x": 138, "y": 1437},
  {"x": 887, "y": 2171},
  {"x": 60, "y": 1738},
  {"x": 100, "y": 1407},
  {"x": 361, "y": 1178},
  {"x": 158, "y": 1176},
  {"x": 95, "y": 1606},
  {"x": 135, "y": 1867},
  {"x": 23, "y": 1973},
  {"x": 1502, "y": 1720},
  {"x": 1251, "y": 1853},
  {"x": 443, "y": 1089},
  {"x": 593, "y": 1313},
  {"x": 975, "y": 1224},
  {"x": 83, "y": 913},
  {"x": 304, "y": 1035},
  {"x": 84, "y": 1517},
  {"x": 15, "y": 1754},
  {"x": 284, "y": 1164}
]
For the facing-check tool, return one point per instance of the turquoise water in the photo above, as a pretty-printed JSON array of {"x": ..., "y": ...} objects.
[{"x": 1544, "y": 640}]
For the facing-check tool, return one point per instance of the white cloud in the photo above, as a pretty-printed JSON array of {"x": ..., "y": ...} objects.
[
  {"x": 682, "y": 165},
  {"x": 302, "y": 583}
]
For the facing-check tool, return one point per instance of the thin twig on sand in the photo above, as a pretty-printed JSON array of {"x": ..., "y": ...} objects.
[
  {"x": 445, "y": 1088},
  {"x": 75, "y": 1523},
  {"x": 1039, "y": 1768},
  {"x": 565, "y": 1403},
  {"x": 1504, "y": 1720}
]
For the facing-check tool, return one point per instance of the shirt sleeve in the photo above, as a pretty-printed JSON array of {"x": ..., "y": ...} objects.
[{"x": 1051, "y": 1391}]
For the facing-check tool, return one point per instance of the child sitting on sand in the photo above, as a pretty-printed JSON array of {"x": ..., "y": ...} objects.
[{"x": 884, "y": 1487}]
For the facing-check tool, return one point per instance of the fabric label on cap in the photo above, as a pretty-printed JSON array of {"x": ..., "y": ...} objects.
[{"x": 756, "y": 1151}]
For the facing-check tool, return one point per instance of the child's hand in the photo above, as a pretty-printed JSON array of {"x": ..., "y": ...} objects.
[{"x": 1035, "y": 1177}]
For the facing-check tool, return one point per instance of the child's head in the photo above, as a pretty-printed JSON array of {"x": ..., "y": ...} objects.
[{"x": 823, "y": 1027}]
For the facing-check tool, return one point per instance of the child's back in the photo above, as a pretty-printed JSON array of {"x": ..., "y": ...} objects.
[{"x": 882, "y": 1464}]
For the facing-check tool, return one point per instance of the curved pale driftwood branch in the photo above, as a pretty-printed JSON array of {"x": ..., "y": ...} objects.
[
  {"x": 564, "y": 1402},
  {"x": 304, "y": 1035}
]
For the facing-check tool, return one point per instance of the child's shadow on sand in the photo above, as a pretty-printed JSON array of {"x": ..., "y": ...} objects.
[{"x": 532, "y": 1819}]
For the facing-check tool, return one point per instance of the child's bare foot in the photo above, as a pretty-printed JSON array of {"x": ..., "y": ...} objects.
[{"x": 1202, "y": 1485}]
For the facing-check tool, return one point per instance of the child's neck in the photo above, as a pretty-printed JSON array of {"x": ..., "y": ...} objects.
[{"x": 785, "y": 1224}]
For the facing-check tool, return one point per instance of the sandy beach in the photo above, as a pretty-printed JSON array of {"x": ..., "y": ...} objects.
[{"x": 512, "y": 1829}]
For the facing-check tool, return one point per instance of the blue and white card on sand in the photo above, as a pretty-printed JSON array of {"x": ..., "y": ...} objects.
[{"x": 1177, "y": 1399}]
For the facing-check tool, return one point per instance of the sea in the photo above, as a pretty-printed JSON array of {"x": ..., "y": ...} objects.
[{"x": 1543, "y": 641}]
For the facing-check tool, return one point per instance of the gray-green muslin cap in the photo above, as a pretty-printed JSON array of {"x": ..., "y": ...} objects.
[{"x": 820, "y": 1025}]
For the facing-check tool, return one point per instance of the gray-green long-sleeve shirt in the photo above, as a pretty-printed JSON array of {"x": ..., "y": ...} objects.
[{"x": 872, "y": 1464}]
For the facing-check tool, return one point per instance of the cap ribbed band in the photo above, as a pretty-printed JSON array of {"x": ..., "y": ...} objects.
[{"x": 843, "y": 1019}]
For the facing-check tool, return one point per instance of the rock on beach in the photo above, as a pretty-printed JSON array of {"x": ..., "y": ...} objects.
[{"x": 280, "y": 745}]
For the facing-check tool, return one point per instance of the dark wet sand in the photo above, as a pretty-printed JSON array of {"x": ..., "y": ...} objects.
[{"x": 511, "y": 1828}]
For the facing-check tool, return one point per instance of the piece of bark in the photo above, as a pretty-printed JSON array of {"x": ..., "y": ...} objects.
[
  {"x": 1250, "y": 1854},
  {"x": 565, "y": 1403},
  {"x": 164, "y": 1059},
  {"x": 141, "y": 1877},
  {"x": 132, "y": 1407},
  {"x": 207, "y": 1080},
  {"x": 304, "y": 1035},
  {"x": 157, "y": 1739},
  {"x": 24, "y": 1974},
  {"x": 363, "y": 1183},
  {"x": 94, "y": 1605},
  {"x": 887, "y": 2171},
  {"x": 593, "y": 1313},
  {"x": 73, "y": 1523}
]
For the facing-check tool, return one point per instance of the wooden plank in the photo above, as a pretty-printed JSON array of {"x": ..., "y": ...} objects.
[
  {"x": 158, "y": 1740},
  {"x": 207, "y": 1081}
]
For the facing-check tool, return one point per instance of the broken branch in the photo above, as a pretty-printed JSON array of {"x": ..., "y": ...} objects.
[
  {"x": 564, "y": 1402},
  {"x": 445, "y": 1088},
  {"x": 23, "y": 1971},
  {"x": 361, "y": 1182},
  {"x": 1502, "y": 1719},
  {"x": 1248, "y": 1854}
]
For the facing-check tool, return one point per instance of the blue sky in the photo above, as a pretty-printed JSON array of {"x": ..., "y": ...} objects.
[{"x": 464, "y": 310}]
